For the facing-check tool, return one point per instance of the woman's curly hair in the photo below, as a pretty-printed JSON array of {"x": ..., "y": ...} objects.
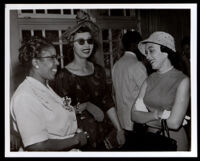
[{"x": 32, "y": 49}]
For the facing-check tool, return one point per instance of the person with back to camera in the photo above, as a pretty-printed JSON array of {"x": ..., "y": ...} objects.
[
  {"x": 85, "y": 83},
  {"x": 128, "y": 74},
  {"x": 40, "y": 116},
  {"x": 165, "y": 93}
]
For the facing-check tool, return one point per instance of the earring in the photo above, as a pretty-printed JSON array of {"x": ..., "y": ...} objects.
[{"x": 37, "y": 66}]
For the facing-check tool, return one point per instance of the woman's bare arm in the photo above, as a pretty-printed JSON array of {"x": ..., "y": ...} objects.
[
  {"x": 180, "y": 106},
  {"x": 140, "y": 116}
]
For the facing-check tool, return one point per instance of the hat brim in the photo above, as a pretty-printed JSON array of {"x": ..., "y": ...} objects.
[{"x": 141, "y": 47}]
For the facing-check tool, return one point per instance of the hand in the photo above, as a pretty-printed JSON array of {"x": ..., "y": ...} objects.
[
  {"x": 158, "y": 114},
  {"x": 81, "y": 107},
  {"x": 165, "y": 114},
  {"x": 120, "y": 138},
  {"x": 15, "y": 142},
  {"x": 82, "y": 138}
]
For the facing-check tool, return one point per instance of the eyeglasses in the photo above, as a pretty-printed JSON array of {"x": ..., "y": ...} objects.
[
  {"x": 52, "y": 57},
  {"x": 82, "y": 41}
]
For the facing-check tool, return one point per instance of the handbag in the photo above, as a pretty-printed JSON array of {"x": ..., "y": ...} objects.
[{"x": 142, "y": 140}]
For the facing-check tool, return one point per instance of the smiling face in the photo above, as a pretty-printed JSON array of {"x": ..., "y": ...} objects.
[
  {"x": 155, "y": 56},
  {"x": 85, "y": 50},
  {"x": 47, "y": 64}
]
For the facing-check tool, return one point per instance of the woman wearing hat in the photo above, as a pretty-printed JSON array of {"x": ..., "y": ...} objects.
[
  {"x": 165, "y": 93},
  {"x": 85, "y": 83}
]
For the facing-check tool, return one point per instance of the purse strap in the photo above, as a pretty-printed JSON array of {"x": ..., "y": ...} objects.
[{"x": 164, "y": 128}]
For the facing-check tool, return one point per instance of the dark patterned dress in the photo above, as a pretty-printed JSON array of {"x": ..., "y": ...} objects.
[{"x": 80, "y": 89}]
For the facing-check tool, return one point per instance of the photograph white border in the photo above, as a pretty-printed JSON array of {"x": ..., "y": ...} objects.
[{"x": 193, "y": 34}]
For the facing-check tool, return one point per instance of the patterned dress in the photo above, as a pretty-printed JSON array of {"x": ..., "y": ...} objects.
[{"x": 80, "y": 89}]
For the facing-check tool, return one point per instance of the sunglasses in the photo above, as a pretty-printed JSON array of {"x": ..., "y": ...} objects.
[
  {"x": 52, "y": 57},
  {"x": 82, "y": 41}
]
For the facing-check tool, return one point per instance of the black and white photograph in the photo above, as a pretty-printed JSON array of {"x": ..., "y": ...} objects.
[{"x": 101, "y": 80}]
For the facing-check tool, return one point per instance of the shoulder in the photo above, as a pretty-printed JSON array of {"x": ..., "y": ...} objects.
[
  {"x": 22, "y": 97},
  {"x": 176, "y": 72},
  {"x": 127, "y": 62},
  {"x": 22, "y": 89},
  {"x": 98, "y": 67},
  {"x": 185, "y": 82},
  {"x": 178, "y": 75},
  {"x": 152, "y": 76}
]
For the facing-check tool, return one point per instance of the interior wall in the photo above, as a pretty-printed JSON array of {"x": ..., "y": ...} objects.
[
  {"x": 17, "y": 72},
  {"x": 176, "y": 22}
]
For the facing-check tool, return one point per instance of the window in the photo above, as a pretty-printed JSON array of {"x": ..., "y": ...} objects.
[
  {"x": 53, "y": 35},
  {"x": 112, "y": 48},
  {"x": 47, "y": 13},
  {"x": 51, "y": 23},
  {"x": 116, "y": 12}
]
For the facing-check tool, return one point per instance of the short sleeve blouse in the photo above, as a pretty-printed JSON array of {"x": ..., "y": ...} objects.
[{"x": 39, "y": 114}]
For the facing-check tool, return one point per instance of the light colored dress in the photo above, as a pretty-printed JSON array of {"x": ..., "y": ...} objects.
[
  {"x": 39, "y": 114},
  {"x": 160, "y": 94},
  {"x": 128, "y": 74}
]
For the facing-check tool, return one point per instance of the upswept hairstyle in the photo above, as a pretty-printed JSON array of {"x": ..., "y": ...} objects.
[{"x": 32, "y": 49}]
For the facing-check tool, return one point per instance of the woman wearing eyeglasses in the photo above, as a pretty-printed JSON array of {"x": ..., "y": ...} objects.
[
  {"x": 40, "y": 116},
  {"x": 85, "y": 83}
]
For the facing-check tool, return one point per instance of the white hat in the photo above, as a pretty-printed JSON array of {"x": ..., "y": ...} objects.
[{"x": 160, "y": 38}]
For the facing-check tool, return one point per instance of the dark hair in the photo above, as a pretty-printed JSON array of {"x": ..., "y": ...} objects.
[
  {"x": 32, "y": 48},
  {"x": 69, "y": 54},
  {"x": 185, "y": 41},
  {"x": 172, "y": 56},
  {"x": 130, "y": 37},
  {"x": 130, "y": 42}
]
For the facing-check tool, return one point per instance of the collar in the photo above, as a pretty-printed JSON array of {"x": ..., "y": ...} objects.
[
  {"x": 130, "y": 52},
  {"x": 35, "y": 83}
]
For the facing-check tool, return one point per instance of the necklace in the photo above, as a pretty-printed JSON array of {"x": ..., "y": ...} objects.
[{"x": 166, "y": 70}]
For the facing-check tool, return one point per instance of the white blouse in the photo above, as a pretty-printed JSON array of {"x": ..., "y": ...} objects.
[{"x": 40, "y": 114}]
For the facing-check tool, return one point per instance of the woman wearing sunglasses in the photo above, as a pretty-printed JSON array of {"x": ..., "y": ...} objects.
[
  {"x": 85, "y": 83},
  {"x": 39, "y": 115}
]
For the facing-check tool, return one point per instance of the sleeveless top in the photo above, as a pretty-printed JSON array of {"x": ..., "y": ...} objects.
[
  {"x": 161, "y": 89},
  {"x": 160, "y": 94}
]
